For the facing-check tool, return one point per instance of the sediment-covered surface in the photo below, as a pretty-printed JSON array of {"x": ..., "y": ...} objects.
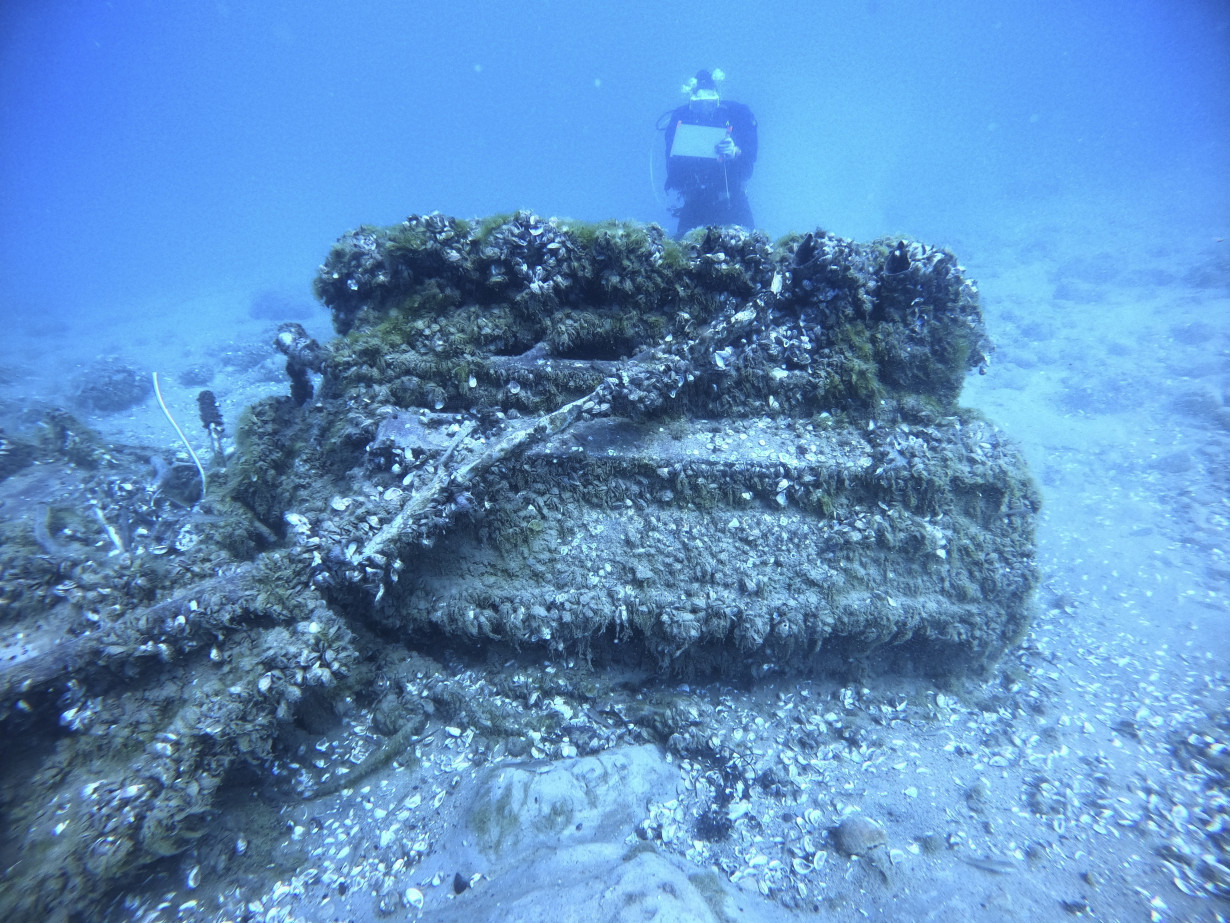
[{"x": 547, "y": 472}]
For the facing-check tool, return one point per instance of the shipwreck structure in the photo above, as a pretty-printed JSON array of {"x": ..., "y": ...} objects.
[
  {"x": 588, "y": 443},
  {"x": 716, "y": 453}
]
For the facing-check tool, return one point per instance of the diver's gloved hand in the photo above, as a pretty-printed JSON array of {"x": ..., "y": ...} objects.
[
  {"x": 726, "y": 148},
  {"x": 674, "y": 202}
]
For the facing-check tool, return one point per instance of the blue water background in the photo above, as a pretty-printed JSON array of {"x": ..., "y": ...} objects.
[{"x": 151, "y": 151}]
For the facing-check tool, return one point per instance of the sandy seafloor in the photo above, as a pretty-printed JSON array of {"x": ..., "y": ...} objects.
[{"x": 1085, "y": 779}]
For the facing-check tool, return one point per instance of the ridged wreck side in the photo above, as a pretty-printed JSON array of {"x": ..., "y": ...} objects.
[{"x": 709, "y": 454}]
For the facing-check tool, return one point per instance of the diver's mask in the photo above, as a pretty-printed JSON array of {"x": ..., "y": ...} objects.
[
  {"x": 704, "y": 102},
  {"x": 702, "y": 92}
]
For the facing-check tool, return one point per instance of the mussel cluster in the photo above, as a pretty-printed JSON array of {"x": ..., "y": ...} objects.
[
  {"x": 730, "y": 259},
  {"x": 831, "y": 273},
  {"x": 532, "y": 261},
  {"x": 522, "y": 259},
  {"x": 811, "y": 323}
]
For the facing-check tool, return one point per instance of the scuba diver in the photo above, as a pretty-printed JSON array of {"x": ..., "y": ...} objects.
[{"x": 710, "y": 150}]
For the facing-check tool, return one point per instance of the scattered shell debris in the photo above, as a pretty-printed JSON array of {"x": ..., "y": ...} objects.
[{"x": 798, "y": 791}]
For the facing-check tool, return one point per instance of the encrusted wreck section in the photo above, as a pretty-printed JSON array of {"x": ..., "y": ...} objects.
[
  {"x": 715, "y": 453},
  {"x": 585, "y": 441}
]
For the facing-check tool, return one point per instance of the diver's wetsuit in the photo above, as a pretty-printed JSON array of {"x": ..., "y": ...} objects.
[{"x": 713, "y": 190}]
